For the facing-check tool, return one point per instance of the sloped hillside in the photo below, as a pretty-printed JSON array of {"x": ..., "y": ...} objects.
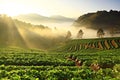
[
  {"x": 9, "y": 34},
  {"x": 14, "y": 33},
  {"x": 91, "y": 44}
]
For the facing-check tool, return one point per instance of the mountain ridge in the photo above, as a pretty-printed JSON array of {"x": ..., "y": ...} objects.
[{"x": 36, "y": 18}]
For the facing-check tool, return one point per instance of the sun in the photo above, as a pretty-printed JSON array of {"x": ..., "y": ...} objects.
[{"x": 12, "y": 9}]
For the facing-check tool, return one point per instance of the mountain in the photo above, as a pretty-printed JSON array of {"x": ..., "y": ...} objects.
[
  {"x": 38, "y": 19},
  {"x": 61, "y": 18},
  {"x": 100, "y": 19}
]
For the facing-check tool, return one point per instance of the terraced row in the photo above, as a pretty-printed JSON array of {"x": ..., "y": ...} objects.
[{"x": 98, "y": 45}]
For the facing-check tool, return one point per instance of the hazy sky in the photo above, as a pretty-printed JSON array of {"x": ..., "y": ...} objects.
[{"x": 69, "y": 8}]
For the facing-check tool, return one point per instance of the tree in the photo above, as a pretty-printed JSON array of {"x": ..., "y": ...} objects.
[
  {"x": 100, "y": 33},
  {"x": 68, "y": 36},
  {"x": 80, "y": 34}
]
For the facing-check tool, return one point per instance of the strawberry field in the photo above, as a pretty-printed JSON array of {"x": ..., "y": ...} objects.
[
  {"x": 57, "y": 73},
  {"x": 96, "y": 60}
]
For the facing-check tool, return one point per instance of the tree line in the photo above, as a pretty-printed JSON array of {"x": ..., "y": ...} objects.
[
  {"x": 100, "y": 33},
  {"x": 105, "y": 19}
]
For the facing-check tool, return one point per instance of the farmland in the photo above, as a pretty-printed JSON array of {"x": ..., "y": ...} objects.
[
  {"x": 35, "y": 64},
  {"x": 98, "y": 44}
]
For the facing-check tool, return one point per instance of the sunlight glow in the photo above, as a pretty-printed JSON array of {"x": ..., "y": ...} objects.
[
  {"x": 14, "y": 9},
  {"x": 11, "y": 9},
  {"x": 68, "y": 8}
]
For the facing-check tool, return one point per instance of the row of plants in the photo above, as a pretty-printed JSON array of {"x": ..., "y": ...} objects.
[
  {"x": 43, "y": 65},
  {"x": 35, "y": 59},
  {"x": 103, "y": 57},
  {"x": 57, "y": 73},
  {"x": 77, "y": 45},
  {"x": 110, "y": 57}
]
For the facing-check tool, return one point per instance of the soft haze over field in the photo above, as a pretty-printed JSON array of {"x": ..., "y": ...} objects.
[
  {"x": 68, "y": 8},
  {"x": 59, "y": 15}
]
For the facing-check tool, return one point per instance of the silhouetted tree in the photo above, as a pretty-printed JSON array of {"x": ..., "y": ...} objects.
[
  {"x": 100, "y": 33},
  {"x": 80, "y": 34},
  {"x": 68, "y": 36}
]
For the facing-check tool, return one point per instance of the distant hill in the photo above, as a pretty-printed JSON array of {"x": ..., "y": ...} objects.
[
  {"x": 100, "y": 19},
  {"x": 15, "y": 33},
  {"x": 36, "y": 18}
]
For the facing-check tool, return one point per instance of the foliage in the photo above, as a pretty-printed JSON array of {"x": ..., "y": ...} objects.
[
  {"x": 100, "y": 19},
  {"x": 54, "y": 73}
]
